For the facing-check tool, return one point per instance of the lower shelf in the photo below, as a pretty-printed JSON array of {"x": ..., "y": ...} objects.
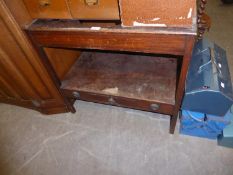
[{"x": 139, "y": 81}]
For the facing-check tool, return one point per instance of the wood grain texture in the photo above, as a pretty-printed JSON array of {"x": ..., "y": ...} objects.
[
  {"x": 62, "y": 60},
  {"x": 104, "y": 26},
  {"x": 48, "y": 8},
  {"x": 136, "y": 42},
  {"x": 60, "y": 33},
  {"x": 144, "y": 79},
  {"x": 103, "y": 10},
  {"x": 182, "y": 78},
  {"x": 18, "y": 69},
  {"x": 54, "y": 77},
  {"x": 132, "y": 103},
  {"x": 19, "y": 11},
  {"x": 169, "y": 13},
  {"x": 24, "y": 80}
]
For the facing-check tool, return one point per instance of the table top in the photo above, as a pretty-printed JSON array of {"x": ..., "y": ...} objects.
[{"x": 103, "y": 26}]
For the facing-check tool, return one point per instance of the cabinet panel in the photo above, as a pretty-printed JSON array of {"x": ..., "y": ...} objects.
[
  {"x": 157, "y": 13},
  {"x": 94, "y": 9},
  {"x": 61, "y": 60},
  {"x": 48, "y": 8},
  {"x": 6, "y": 88},
  {"x": 23, "y": 79},
  {"x": 18, "y": 11},
  {"x": 18, "y": 68}
]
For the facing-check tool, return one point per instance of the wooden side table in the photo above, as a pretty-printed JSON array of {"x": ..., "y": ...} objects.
[{"x": 140, "y": 68}]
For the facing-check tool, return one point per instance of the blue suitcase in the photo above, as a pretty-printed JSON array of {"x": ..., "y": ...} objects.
[
  {"x": 208, "y": 85},
  {"x": 202, "y": 125}
]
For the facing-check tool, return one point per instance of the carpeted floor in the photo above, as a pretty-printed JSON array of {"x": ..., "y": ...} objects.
[{"x": 108, "y": 140}]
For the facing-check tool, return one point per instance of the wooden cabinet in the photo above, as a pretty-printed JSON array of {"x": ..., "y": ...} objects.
[{"x": 24, "y": 81}]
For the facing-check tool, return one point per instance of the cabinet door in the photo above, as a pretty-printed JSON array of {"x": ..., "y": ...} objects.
[
  {"x": 48, "y": 8},
  {"x": 23, "y": 79}
]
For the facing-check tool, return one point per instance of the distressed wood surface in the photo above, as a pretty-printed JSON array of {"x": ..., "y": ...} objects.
[
  {"x": 103, "y": 26},
  {"x": 157, "y": 13},
  {"x": 144, "y": 78},
  {"x": 65, "y": 33}
]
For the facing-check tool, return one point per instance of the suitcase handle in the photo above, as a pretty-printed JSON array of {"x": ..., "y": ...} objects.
[
  {"x": 212, "y": 57},
  {"x": 215, "y": 68},
  {"x": 199, "y": 120}
]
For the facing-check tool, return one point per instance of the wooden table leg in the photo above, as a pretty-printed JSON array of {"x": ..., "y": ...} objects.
[
  {"x": 54, "y": 76},
  {"x": 181, "y": 85},
  {"x": 39, "y": 49}
]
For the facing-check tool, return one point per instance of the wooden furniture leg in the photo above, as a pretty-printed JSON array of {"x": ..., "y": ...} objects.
[
  {"x": 181, "y": 84},
  {"x": 54, "y": 76},
  {"x": 51, "y": 71},
  {"x": 203, "y": 20}
]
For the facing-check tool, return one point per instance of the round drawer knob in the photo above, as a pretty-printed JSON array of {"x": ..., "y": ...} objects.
[
  {"x": 76, "y": 95},
  {"x": 111, "y": 101},
  {"x": 154, "y": 107},
  {"x": 36, "y": 103},
  {"x": 44, "y": 3}
]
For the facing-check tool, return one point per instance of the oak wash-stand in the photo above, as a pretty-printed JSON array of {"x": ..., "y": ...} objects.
[{"x": 130, "y": 62}]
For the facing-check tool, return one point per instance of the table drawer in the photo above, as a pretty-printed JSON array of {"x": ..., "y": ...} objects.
[
  {"x": 48, "y": 8},
  {"x": 94, "y": 9}
]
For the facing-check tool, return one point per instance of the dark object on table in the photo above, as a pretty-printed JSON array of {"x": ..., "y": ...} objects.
[{"x": 208, "y": 84}]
